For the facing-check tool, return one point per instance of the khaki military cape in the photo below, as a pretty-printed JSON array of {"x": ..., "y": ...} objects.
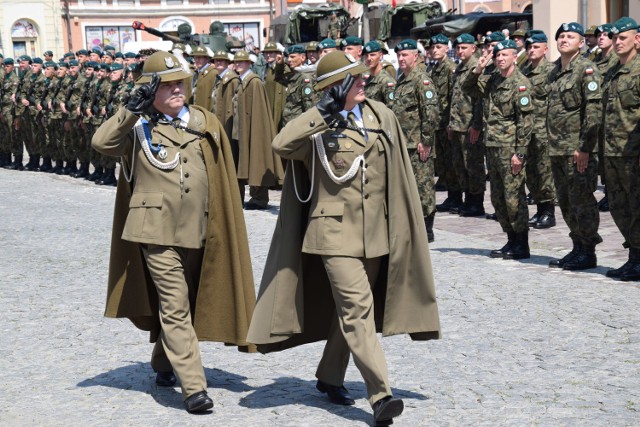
[
  {"x": 204, "y": 87},
  {"x": 258, "y": 163},
  {"x": 224, "y": 100},
  {"x": 226, "y": 293},
  {"x": 295, "y": 305}
]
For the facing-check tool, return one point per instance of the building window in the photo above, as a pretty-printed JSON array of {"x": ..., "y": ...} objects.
[
  {"x": 249, "y": 32},
  {"x": 219, "y": 1},
  {"x": 112, "y": 36},
  {"x": 92, "y": 3}
]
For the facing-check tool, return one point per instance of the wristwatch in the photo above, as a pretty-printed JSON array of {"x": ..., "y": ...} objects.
[{"x": 521, "y": 156}]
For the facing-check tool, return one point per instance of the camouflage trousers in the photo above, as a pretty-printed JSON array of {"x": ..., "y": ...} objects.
[
  {"x": 6, "y": 133},
  {"x": 623, "y": 189},
  {"x": 21, "y": 134},
  {"x": 468, "y": 163},
  {"x": 442, "y": 162},
  {"x": 538, "y": 169},
  {"x": 70, "y": 141},
  {"x": 508, "y": 196},
  {"x": 36, "y": 140},
  {"x": 423, "y": 172},
  {"x": 56, "y": 138},
  {"x": 575, "y": 197}
]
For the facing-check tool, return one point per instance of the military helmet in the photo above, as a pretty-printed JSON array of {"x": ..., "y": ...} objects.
[
  {"x": 165, "y": 65},
  {"x": 335, "y": 66}
]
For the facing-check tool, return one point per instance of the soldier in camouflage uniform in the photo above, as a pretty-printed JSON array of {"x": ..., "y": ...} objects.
[
  {"x": 78, "y": 103},
  {"x": 538, "y": 164},
  {"x": 94, "y": 109},
  {"x": 465, "y": 125},
  {"x": 69, "y": 117},
  {"x": 573, "y": 119},
  {"x": 605, "y": 59},
  {"x": 9, "y": 86},
  {"x": 47, "y": 148},
  {"x": 55, "y": 120},
  {"x": 441, "y": 71},
  {"x": 300, "y": 95},
  {"x": 416, "y": 107},
  {"x": 508, "y": 122},
  {"x": 379, "y": 85},
  {"x": 33, "y": 115},
  {"x": 622, "y": 143},
  {"x": 22, "y": 129}
]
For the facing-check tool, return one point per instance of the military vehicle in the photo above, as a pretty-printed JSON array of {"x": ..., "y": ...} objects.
[
  {"x": 216, "y": 40},
  {"x": 396, "y": 22},
  {"x": 305, "y": 24},
  {"x": 476, "y": 24}
]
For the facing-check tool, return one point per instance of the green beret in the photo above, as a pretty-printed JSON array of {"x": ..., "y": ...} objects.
[
  {"x": 1, "y": 56},
  {"x": 109, "y": 47},
  {"x": 372, "y": 46},
  {"x": 37, "y": 60},
  {"x": 327, "y": 44},
  {"x": 47, "y": 53},
  {"x": 440, "y": 39},
  {"x": 129, "y": 55},
  {"x": 507, "y": 44},
  {"x": 69, "y": 55},
  {"x": 73, "y": 63},
  {"x": 538, "y": 37},
  {"x": 351, "y": 41},
  {"x": 51, "y": 64},
  {"x": 7, "y": 61},
  {"x": 570, "y": 27},
  {"x": 119, "y": 55},
  {"x": 82, "y": 52},
  {"x": 63, "y": 64},
  {"x": 621, "y": 25},
  {"x": 464, "y": 39},
  {"x": 91, "y": 64},
  {"x": 97, "y": 50},
  {"x": 103, "y": 66},
  {"x": 604, "y": 28},
  {"x": 496, "y": 36},
  {"x": 24, "y": 58},
  {"x": 115, "y": 66},
  {"x": 406, "y": 44},
  {"x": 296, "y": 48}
]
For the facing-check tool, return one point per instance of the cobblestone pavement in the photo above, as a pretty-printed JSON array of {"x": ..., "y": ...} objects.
[{"x": 522, "y": 344}]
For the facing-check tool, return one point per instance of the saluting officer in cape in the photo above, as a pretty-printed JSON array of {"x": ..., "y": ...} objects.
[
  {"x": 180, "y": 265},
  {"x": 349, "y": 255}
]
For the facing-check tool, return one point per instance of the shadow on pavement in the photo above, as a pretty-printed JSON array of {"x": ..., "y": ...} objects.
[
  {"x": 140, "y": 377},
  {"x": 296, "y": 391}
]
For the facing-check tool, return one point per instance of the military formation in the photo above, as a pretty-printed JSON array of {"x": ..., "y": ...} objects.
[
  {"x": 474, "y": 109},
  {"x": 52, "y": 110}
]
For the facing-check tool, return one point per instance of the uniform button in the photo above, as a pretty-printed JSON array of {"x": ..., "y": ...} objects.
[
  {"x": 186, "y": 190},
  {"x": 144, "y": 202},
  {"x": 321, "y": 211},
  {"x": 366, "y": 196},
  {"x": 186, "y": 175},
  {"x": 312, "y": 123},
  {"x": 184, "y": 160},
  {"x": 366, "y": 181}
]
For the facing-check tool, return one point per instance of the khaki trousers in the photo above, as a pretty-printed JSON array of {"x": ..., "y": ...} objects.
[
  {"x": 353, "y": 330},
  {"x": 175, "y": 273}
]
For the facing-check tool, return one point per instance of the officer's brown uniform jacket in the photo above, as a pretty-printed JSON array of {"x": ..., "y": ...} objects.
[{"x": 295, "y": 304}]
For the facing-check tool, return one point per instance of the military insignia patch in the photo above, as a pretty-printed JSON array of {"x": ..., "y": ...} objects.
[
  {"x": 524, "y": 101},
  {"x": 425, "y": 82},
  {"x": 307, "y": 81},
  {"x": 429, "y": 94},
  {"x": 391, "y": 84},
  {"x": 169, "y": 62},
  {"x": 522, "y": 88},
  {"x": 307, "y": 91},
  {"x": 347, "y": 145},
  {"x": 391, "y": 96},
  {"x": 588, "y": 71},
  {"x": 592, "y": 86}
]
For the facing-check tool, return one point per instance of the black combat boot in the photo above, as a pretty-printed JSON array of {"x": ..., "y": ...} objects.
[
  {"x": 454, "y": 199},
  {"x": 520, "y": 247},
  {"x": 474, "y": 207},
  {"x": 428, "y": 222},
  {"x": 532, "y": 221},
  {"x": 499, "y": 253},
  {"x": 97, "y": 174},
  {"x": 583, "y": 260},
  {"x": 46, "y": 165},
  {"x": 57, "y": 169},
  {"x": 457, "y": 203},
  {"x": 83, "y": 171},
  {"x": 632, "y": 262},
  {"x": 559, "y": 263},
  {"x": 547, "y": 218},
  {"x": 72, "y": 168},
  {"x": 440, "y": 184},
  {"x": 109, "y": 178},
  {"x": 530, "y": 199},
  {"x": 17, "y": 163},
  {"x": 33, "y": 165},
  {"x": 5, "y": 160}
]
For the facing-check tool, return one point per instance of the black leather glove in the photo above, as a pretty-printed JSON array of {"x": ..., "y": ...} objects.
[
  {"x": 334, "y": 99},
  {"x": 142, "y": 99}
]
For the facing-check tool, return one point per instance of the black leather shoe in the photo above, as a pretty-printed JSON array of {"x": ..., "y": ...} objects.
[
  {"x": 603, "y": 204},
  {"x": 165, "y": 379},
  {"x": 387, "y": 408},
  {"x": 338, "y": 395},
  {"x": 492, "y": 216},
  {"x": 198, "y": 402}
]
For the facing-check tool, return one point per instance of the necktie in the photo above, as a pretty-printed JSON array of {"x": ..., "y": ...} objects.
[{"x": 351, "y": 118}]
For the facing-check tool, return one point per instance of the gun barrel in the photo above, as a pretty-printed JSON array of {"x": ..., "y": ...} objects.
[{"x": 164, "y": 36}]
